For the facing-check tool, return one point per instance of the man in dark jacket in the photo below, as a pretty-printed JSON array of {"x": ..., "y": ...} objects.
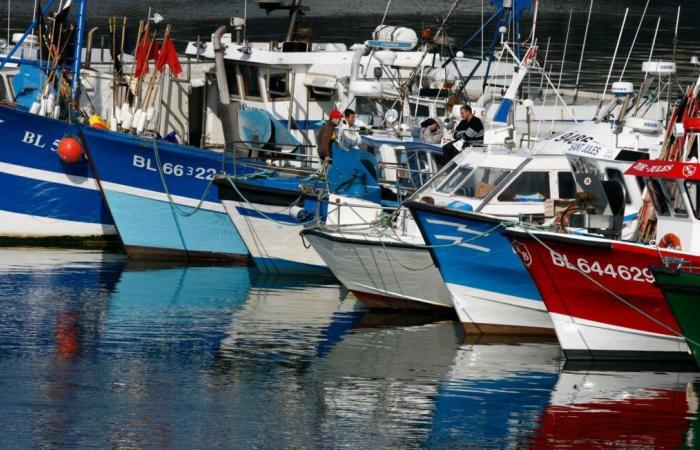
[
  {"x": 326, "y": 136},
  {"x": 470, "y": 130}
]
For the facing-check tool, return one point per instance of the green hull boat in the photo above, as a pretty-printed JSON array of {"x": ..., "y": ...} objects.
[{"x": 682, "y": 292}]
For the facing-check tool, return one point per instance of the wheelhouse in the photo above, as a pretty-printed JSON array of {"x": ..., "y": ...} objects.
[{"x": 674, "y": 188}]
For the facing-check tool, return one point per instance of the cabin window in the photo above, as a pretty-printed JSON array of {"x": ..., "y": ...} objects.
[
  {"x": 440, "y": 178},
  {"x": 232, "y": 78},
  {"x": 693, "y": 188},
  {"x": 251, "y": 83},
  {"x": 458, "y": 177},
  {"x": 527, "y": 187},
  {"x": 657, "y": 196},
  {"x": 277, "y": 84},
  {"x": 482, "y": 182},
  {"x": 320, "y": 94},
  {"x": 675, "y": 197},
  {"x": 616, "y": 175},
  {"x": 567, "y": 185},
  {"x": 421, "y": 111}
]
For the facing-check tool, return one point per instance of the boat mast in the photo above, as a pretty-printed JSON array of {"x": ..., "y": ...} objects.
[{"x": 78, "y": 51}]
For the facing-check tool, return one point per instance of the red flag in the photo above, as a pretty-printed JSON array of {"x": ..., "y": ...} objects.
[
  {"x": 145, "y": 52},
  {"x": 168, "y": 55}
]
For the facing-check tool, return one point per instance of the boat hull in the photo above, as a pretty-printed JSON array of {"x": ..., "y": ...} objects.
[
  {"x": 492, "y": 291},
  {"x": 590, "y": 320},
  {"x": 384, "y": 275},
  {"x": 682, "y": 292},
  {"x": 45, "y": 198},
  {"x": 273, "y": 241},
  {"x": 161, "y": 198}
]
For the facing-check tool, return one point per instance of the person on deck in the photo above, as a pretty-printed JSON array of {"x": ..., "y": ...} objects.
[
  {"x": 470, "y": 130},
  {"x": 326, "y": 136},
  {"x": 348, "y": 132},
  {"x": 431, "y": 132}
]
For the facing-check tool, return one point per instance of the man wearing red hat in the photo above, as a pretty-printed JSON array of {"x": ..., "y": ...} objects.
[{"x": 326, "y": 135}]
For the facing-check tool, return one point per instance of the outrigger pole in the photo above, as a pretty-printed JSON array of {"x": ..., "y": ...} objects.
[{"x": 27, "y": 32}]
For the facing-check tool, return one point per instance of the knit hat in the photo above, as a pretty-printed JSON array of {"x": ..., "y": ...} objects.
[{"x": 335, "y": 114}]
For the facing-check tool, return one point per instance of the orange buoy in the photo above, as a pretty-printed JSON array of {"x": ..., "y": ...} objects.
[
  {"x": 671, "y": 241},
  {"x": 70, "y": 150}
]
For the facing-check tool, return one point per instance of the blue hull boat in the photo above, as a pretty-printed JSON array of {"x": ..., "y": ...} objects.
[
  {"x": 161, "y": 197},
  {"x": 45, "y": 198},
  {"x": 492, "y": 291}
]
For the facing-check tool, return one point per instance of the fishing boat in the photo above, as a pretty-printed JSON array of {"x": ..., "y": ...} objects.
[
  {"x": 56, "y": 199},
  {"x": 269, "y": 210},
  {"x": 600, "y": 291},
  {"x": 681, "y": 289}
]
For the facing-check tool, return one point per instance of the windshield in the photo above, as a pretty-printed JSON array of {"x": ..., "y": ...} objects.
[
  {"x": 475, "y": 183},
  {"x": 438, "y": 179}
]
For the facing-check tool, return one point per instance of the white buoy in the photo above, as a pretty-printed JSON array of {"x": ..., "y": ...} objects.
[
  {"x": 127, "y": 120},
  {"x": 113, "y": 124},
  {"x": 42, "y": 109},
  {"x": 56, "y": 111},
  {"x": 36, "y": 106},
  {"x": 124, "y": 111},
  {"x": 140, "y": 121},
  {"x": 150, "y": 113},
  {"x": 50, "y": 102}
]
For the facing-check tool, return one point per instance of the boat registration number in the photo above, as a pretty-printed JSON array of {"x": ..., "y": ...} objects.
[
  {"x": 625, "y": 273},
  {"x": 177, "y": 170}
]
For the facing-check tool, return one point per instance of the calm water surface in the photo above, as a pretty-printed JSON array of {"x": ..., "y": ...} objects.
[{"x": 98, "y": 353}]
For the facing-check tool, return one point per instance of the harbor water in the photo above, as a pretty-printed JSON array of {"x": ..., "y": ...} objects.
[{"x": 98, "y": 352}]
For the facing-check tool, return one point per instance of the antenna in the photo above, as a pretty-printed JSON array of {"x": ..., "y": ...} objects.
[
  {"x": 563, "y": 60},
  {"x": 583, "y": 51},
  {"x": 634, "y": 41},
  {"x": 612, "y": 64}
]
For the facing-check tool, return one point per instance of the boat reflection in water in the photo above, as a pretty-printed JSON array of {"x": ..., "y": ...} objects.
[
  {"x": 98, "y": 353},
  {"x": 496, "y": 392},
  {"x": 621, "y": 409}
]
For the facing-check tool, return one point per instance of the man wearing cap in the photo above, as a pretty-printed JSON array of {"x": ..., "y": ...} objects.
[{"x": 326, "y": 136}]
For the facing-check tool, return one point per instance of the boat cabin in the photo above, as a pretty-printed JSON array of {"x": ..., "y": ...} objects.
[
  {"x": 674, "y": 188},
  {"x": 502, "y": 182}
]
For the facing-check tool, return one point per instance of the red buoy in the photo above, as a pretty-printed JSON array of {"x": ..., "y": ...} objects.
[{"x": 70, "y": 150}]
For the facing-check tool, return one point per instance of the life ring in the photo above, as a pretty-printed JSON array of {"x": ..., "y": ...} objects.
[{"x": 671, "y": 241}]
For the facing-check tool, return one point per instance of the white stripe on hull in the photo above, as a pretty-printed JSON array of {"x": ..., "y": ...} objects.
[
  {"x": 49, "y": 176},
  {"x": 586, "y": 335},
  {"x": 268, "y": 240},
  {"x": 26, "y": 226},
  {"x": 489, "y": 308},
  {"x": 404, "y": 273},
  {"x": 163, "y": 197}
]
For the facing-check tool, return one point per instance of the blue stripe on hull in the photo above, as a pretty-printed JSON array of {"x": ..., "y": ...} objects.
[
  {"x": 30, "y": 141},
  {"x": 52, "y": 200},
  {"x": 144, "y": 222},
  {"x": 493, "y": 267}
]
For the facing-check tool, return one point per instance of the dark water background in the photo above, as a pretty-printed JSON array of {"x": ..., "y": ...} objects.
[
  {"x": 353, "y": 20},
  {"x": 96, "y": 352}
]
